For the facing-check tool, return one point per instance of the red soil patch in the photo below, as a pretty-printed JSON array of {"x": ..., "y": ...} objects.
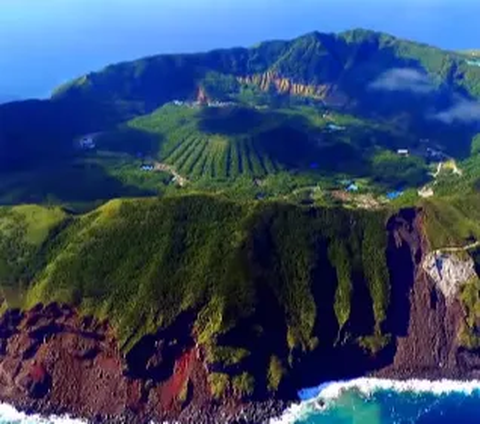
[
  {"x": 187, "y": 386},
  {"x": 38, "y": 373},
  {"x": 54, "y": 360}
]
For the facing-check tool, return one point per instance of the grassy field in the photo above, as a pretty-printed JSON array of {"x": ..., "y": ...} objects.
[
  {"x": 24, "y": 232},
  {"x": 452, "y": 221}
]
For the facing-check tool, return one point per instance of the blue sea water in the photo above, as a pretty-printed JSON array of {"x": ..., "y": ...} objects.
[
  {"x": 371, "y": 401},
  {"x": 362, "y": 401}
]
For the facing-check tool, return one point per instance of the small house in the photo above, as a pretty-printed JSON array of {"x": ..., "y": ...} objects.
[
  {"x": 473, "y": 62},
  {"x": 352, "y": 188},
  {"x": 426, "y": 192},
  {"x": 335, "y": 128},
  {"x": 403, "y": 152},
  {"x": 87, "y": 143},
  {"x": 393, "y": 195},
  {"x": 147, "y": 168}
]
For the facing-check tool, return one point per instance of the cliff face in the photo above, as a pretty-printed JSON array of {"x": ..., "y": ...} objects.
[
  {"x": 328, "y": 93},
  {"x": 428, "y": 315},
  {"x": 53, "y": 360}
]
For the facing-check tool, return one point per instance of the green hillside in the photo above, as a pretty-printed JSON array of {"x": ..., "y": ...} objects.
[
  {"x": 145, "y": 264},
  {"x": 239, "y": 141},
  {"x": 249, "y": 193},
  {"x": 327, "y": 69},
  {"x": 24, "y": 233},
  {"x": 141, "y": 263}
]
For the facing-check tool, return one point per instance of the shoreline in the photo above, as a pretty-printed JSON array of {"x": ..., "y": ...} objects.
[{"x": 268, "y": 412}]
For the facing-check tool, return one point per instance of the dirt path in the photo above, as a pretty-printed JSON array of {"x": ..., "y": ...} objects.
[
  {"x": 449, "y": 164},
  {"x": 163, "y": 167},
  {"x": 459, "y": 249},
  {"x": 439, "y": 169},
  {"x": 427, "y": 190}
]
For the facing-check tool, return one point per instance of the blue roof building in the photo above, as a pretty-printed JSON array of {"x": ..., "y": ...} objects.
[
  {"x": 394, "y": 195},
  {"x": 352, "y": 187},
  {"x": 473, "y": 62},
  {"x": 334, "y": 127}
]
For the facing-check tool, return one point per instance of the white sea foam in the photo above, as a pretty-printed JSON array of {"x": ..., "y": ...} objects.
[
  {"x": 9, "y": 415},
  {"x": 370, "y": 385},
  {"x": 330, "y": 392}
]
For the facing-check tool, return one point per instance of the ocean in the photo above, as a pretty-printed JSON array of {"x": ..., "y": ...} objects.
[
  {"x": 361, "y": 401},
  {"x": 63, "y": 39},
  {"x": 373, "y": 401}
]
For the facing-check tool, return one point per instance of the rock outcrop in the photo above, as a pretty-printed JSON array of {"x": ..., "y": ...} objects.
[
  {"x": 449, "y": 271},
  {"x": 270, "y": 80},
  {"x": 432, "y": 315},
  {"x": 53, "y": 360}
]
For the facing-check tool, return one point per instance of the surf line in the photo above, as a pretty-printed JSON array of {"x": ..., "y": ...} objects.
[
  {"x": 9, "y": 414},
  {"x": 321, "y": 396}
]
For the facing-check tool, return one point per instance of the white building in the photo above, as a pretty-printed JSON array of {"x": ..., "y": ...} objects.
[{"x": 87, "y": 142}]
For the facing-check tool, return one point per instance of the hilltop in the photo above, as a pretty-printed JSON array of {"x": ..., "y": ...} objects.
[{"x": 350, "y": 101}]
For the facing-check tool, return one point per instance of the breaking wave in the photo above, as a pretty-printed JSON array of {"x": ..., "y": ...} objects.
[
  {"x": 319, "y": 400},
  {"x": 369, "y": 385},
  {"x": 9, "y": 415}
]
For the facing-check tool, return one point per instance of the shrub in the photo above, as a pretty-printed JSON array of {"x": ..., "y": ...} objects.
[{"x": 219, "y": 384}]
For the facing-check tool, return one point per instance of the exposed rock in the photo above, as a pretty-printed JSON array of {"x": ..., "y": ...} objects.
[
  {"x": 35, "y": 380},
  {"x": 54, "y": 361},
  {"x": 271, "y": 80},
  {"x": 449, "y": 271}
]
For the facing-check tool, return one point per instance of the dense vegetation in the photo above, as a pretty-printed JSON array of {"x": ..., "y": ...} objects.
[
  {"x": 227, "y": 143},
  {"x": 268, "y": 282},
  {"x": 141, "y": 263},
  {"x": 325, "y": 70},
  {"x": 24, "y": 232},
  {"x": 470, "y": 298},
  {"x": 452, "y": 221}
]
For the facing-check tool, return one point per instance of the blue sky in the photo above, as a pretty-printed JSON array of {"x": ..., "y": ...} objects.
[{"x": 46, "y": 42}]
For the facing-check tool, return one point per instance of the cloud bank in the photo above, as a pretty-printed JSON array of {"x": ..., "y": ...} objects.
[
  {"x": 464, "y": 111},
  {"x": 403, "y": 79}
]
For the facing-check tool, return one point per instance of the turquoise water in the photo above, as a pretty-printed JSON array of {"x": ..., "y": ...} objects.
[
  {"x": 385, "y": 402},
  {"x": 362, "y": 401}
]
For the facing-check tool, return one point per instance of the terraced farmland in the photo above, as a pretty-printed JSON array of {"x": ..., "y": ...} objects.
[
  {"x": 235, "y": 142},
  {"x": 214, "y": 156}
]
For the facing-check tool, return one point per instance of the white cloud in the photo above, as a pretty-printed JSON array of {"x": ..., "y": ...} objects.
[
  {"x": 463, "y": 111},
  {"x": 403, "y": 79}
]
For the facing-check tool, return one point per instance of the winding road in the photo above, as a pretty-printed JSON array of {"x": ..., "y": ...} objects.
[{"x": 163, "y": 167}]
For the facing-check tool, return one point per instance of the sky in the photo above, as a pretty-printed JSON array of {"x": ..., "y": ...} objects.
[{"x": 44, "y": 43}]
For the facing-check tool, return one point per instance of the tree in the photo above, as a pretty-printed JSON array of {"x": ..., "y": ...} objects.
[{"x": 475, "y": 149}]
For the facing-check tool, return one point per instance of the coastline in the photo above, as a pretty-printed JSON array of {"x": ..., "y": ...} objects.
[
  {"x": 269, "y": 412},
  {"x": 53, "y": 361}
]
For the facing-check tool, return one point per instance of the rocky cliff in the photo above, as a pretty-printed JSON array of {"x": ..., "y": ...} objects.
[
  {"x": 55, "y": 360},
  {"x": 328, "y": 93}
]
